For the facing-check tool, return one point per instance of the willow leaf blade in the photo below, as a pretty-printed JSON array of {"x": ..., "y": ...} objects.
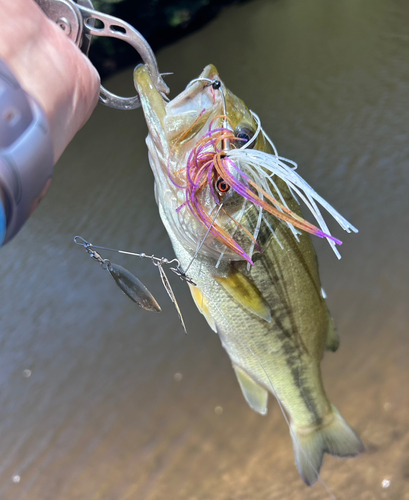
[{"x": 133, "y": 288}]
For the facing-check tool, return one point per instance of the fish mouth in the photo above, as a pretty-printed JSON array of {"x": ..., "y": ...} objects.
[
  {"x": 193, "y": 107},
  {"x": 189, "y": 118}
]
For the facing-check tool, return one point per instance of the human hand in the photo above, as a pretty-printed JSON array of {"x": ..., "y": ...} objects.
[{"x": 50, "y": 67}]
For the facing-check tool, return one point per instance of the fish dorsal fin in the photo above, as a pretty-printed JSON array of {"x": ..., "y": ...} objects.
[
  {"x": 255, "y": 395},
  {"x": 332, "y": 339},
  {"x": 201, "y": 304},
  {"x": 246, "y": 293}
]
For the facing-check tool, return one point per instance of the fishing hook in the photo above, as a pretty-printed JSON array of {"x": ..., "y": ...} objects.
[{"x": 217, "y": 85}]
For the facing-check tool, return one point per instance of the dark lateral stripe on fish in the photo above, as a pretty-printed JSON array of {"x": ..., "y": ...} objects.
[
  {"x": 289, "y": 336},
  {"x": 279, "y": 316},
  {"x": 306, "y": 395}
]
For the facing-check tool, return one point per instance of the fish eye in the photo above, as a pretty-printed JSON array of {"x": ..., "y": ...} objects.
[
  {"x": 245, "y": 133},
  {"x": 222, "y": 186}
]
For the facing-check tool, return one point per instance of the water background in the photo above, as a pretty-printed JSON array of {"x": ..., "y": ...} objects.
[{"x": 101, "y": 413}]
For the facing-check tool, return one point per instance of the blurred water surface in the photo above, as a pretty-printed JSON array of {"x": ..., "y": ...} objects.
[{"x": 118, "y": 404}]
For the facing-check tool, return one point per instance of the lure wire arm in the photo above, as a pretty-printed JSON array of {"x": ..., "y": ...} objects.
[
  {"x": 119, "y": 274},
  {"x": 105, "y": 263},
  {"x": 156, "y": 261}
]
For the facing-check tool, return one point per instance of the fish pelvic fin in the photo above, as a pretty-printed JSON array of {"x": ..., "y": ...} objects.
[
  {"x": 255, "y": 395},
  {"x": 334, "y": 436},
  {"x": 332, "y": 339}
]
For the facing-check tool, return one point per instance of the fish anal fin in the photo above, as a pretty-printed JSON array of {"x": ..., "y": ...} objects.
[
  {"x": 334, "y": 436},
  {"x": 255, "y": 395},
  {"x": 246, "y": 293},
  {"x": 332, "y": 338},
  {"x": 201, "y": 304}
]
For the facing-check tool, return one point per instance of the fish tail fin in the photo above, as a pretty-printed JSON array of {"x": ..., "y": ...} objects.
[{"x": 336, "y": 438}]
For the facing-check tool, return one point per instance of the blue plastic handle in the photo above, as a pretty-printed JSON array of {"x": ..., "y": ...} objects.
[{"x": 2, "y": 224}]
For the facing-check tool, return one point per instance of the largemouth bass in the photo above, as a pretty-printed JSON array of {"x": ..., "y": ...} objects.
[{"x": 236, "y": 226}]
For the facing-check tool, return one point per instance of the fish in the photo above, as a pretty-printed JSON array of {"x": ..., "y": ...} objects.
[{"x": 231, "y": 208}]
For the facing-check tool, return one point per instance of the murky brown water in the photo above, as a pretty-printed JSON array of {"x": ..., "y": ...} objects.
[{"x": 102, "y": 417}]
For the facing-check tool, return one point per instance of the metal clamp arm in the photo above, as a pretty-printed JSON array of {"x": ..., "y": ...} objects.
[
  {"x": 116, "y": 28},
  {"x": 77, "y": 19}
]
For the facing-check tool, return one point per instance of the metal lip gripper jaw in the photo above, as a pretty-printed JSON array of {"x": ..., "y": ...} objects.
[{"x": 78, "y": 20}]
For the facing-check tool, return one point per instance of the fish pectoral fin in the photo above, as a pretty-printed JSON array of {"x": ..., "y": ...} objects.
[
  {"x": 201, "y": 304},
  {"x": 246, "y": 293},
  {"x": 332, "y": 338},
  {"x": 255, "y": 395}
]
